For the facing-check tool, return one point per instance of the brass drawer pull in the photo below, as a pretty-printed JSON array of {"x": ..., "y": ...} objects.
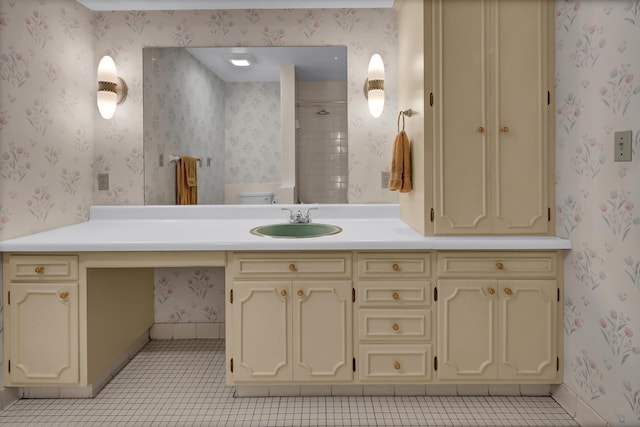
[
  {"x": 39, "y": 269},
  {"x": 395, "y": 326},
  {"x": 292, "y": 267},
  {"x": 491, "y": 291},
  {"x": 395, "y": 267},
  {"x": 395, "y": 295},
  {"x": 499, "y": 265},
  {"x": 396, "y": 365},
  {"x": 508, "y": 291},
  {"x": 283, "y": 292},
  {"x": 504, "y": 129},
  {"x": 300, "y": 293},
  {"x": 64, "y": 295},
  {"x": 480, "y": 129}
]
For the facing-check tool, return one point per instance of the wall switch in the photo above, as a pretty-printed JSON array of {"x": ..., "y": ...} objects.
[
  {"x": 622, "y": 146},
  {"x": 161, "y": 160},
  {"x": 384, "y": 179},
  {"x": 103, "y": 181}
]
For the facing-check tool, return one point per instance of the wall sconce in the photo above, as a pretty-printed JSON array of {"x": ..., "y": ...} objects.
[
  {"x": 374, "y": 87},
  {"x": 112, "y": 90}
]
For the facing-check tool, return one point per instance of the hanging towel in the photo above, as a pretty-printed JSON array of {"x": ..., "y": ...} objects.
[
  {"x": 400, "y": 177},
  {"x": 187, "y": 180}
]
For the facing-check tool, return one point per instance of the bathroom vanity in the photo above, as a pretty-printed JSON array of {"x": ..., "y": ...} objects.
[{"x": 376, "y": 303}]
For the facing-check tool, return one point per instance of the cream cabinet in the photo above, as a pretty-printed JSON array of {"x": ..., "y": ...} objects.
[
  {"x": 286, "y": 326},
  {"x": 394, "y": 317},
  {"x": 502, "y": 324},
  {"x": 42, "y": 330},
  {"x": 483, "y": 133}
]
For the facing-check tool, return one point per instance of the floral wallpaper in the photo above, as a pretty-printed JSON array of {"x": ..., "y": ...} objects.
[
  {"x": 252, "y": 139},
  {"x": 598, "y": 202},
  {"x": 182, "y": 101}
]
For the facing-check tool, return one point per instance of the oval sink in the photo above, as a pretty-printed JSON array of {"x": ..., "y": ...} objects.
[{"x": 296, "y": 231}]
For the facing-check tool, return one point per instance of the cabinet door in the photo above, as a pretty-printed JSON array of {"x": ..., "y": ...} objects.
[
  {"x": 521, "y": 120},
  {"x": 261, "y": 331},
  {"x": 461, "y": 121},
  {"x": 467, "y": 334},
  {"x": 44, "y": 316},
  {"x": 322, "y": 328},
  {"x": 527, "y": 319}
]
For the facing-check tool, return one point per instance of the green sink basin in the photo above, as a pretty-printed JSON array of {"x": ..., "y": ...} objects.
[{"x": 296, "y": 231}]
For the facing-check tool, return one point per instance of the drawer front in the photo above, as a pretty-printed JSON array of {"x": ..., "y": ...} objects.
[
  {"x": 394, "y": 265},
  {"x": 43, "y": 268},
  {"x": 395, "y": 325},
  {"x": 293, "y": 266},
  {"x": 394, "y": 293},
  {"x": 500, "y": 264},
  {"x": 382, "y": 363}
]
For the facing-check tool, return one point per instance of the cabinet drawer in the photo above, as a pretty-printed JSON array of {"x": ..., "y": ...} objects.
[
  {"x": 292, "y": 266},
  {"x": 380, "y": 362},
  {"x": 395, "y": 325},
  {"x": 43, "y": 268},
  {"x": 394, "y": 293},
  {"x": 498, "y": 264},
  {"x": 394, "y": 265}
]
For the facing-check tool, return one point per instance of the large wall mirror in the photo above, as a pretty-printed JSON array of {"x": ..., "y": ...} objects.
[{"x": 234, "y": 118}]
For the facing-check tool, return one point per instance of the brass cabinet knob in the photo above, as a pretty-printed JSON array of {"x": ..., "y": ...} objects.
[
  {"x": 491, "y": 291},
  {"x": 395, "y": 326},
  {"x": 292, "y": 267},
  {"x": 283, "y": 292},
  {"x": 395, "y": 295},
  {"x": 480, "y": 129},
  {"x": 64, "y": 295},
  {"x": 499, "y": 265},
  {"x": 39, "y": 269},
  {"x": 504, "y": 129},
  {"x": 508, "y": 291},
  {"x": 300, "y": 293},
  {"x": 396, "y": 365},
  {"x": 395, "y": 267}
]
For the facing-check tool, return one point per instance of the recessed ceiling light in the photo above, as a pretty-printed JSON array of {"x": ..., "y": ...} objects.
[{"x": 241, "y": 60}]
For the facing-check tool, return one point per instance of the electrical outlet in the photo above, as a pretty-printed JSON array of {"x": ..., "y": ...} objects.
[
  {"x": 103, "y": 181},
  {"x": 384, "y": 179},
  {"x": 622, "y": 146}
]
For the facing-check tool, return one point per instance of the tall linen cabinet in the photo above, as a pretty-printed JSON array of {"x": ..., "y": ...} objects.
[{"x": 478, "y": 76}]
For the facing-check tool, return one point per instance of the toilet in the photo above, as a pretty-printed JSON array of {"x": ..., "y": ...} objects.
[{"x": 259, "y": 198}]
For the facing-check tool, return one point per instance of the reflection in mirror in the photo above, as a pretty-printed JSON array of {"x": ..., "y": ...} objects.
[{"x": 244, "y": 123}]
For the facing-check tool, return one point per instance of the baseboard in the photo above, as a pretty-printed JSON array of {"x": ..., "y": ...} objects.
[
  {"x": 9, "y": 396},
  {"x": 181, "y": 331},
  {"x": 581, "y": 412}
]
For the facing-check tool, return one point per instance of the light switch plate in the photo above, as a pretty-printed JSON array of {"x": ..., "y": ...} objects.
[
  {"x": 103, "y": 181},
  {"x": 384, "y": 179},
  {"x": 622, "y": 146}
]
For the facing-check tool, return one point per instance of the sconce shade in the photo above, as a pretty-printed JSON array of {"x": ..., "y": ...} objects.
[
  {"x": 112, "y": 90},
  {"x": 375, "y": 85}
]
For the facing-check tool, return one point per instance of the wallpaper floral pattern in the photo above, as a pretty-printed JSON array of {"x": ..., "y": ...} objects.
[
  {"x": 598, "y": 202},
  {"x": 182, "y": 99}
]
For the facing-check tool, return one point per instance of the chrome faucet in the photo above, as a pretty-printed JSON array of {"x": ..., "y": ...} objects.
[{"x": 298, "y": 217}]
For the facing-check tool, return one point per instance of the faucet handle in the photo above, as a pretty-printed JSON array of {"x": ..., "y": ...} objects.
[
  {"x": 291, "y": 217},
  {"x": 307, "y": 216}
]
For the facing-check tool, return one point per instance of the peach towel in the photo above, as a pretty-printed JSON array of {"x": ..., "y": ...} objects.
[
  {"x": 187, "y": 180},
  {"x": 400, "y": 177}
]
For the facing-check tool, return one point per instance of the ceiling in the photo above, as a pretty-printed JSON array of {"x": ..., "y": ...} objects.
[
  {"x": 311, "y": 62},
  {"x": 105, "y": 5}
]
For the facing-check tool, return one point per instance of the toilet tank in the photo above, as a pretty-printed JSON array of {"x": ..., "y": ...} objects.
[{"x": 259, "y": 198}]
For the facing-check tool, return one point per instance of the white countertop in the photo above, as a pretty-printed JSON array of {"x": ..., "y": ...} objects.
[{"x": 226, "y": 228}]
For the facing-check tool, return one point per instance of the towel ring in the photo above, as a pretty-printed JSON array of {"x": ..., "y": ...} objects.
[{"x": 402, "y": 114}]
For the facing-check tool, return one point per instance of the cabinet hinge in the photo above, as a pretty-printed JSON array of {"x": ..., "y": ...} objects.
[
  {"x": 558, "y": 294},
  {"x": 231, "y": 296},
  {"x": 431, "y": 99},
  {"x": 435, "y": 293},
  {"x": 549, "y": 214},
  {"x": 354, "y": 364},
  {"x": 9, "y": 298},
  {"x": 548, "y": 98},
  {"x": 557, "y": 363},
  {"x": 9, "y": 365},
  {"x": 435, "y": 363},
  {"x": 432, "y": 214},
  {"x": 353, "y": 294},
  {"x": 231, "y": 367}
]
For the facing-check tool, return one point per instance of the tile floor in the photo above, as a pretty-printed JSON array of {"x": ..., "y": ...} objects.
[{"x": 181, "y": 383}]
